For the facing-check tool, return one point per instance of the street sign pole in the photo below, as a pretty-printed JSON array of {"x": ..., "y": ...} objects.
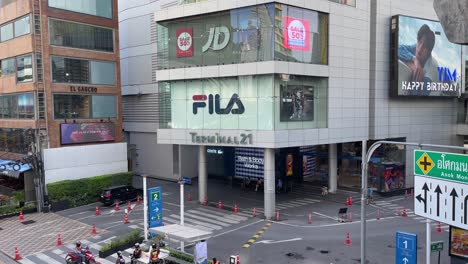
[
  {"x": 363, "y": 202},
  {"x": 428, "y": 241},
  {"x": 145, "y": 208},
  {"x": 182, "y": 211}
]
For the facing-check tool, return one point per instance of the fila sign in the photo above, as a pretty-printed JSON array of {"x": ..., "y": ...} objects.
[{"x": 214, "y": 103}]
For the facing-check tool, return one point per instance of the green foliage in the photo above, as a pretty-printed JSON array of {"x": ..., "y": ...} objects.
[
  {"x": 129, "y": 238},
  {"x": 19, "y": 196},
  {"x": 181, "y": 256},
  {"x": 85, "y": 191},
  {"x": 11, "y": 209}
]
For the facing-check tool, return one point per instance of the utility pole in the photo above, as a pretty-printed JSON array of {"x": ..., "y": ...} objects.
[{"x": 35, "y": 159}]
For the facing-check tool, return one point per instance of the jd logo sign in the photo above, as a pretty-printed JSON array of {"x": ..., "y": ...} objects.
[
  {"x": 215, "y": 40},
  {"x": 215, "y": 101}
]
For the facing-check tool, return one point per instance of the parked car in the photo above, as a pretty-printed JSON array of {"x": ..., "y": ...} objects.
[{"x": 121, "y": 193}]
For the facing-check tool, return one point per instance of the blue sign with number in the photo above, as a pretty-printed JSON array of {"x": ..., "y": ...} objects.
[
  {"x": 406, "y": 248},
  {"x": 187, "y": 180},
  {"x": 155, "y": 212}
]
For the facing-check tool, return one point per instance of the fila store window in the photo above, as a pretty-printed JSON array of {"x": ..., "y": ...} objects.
[
  {"x": 258, "y": 33},
  {"x": 260, "y": 102}
]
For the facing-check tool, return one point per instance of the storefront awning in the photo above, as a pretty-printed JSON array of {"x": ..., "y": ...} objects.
[
  {"x": 182, "y": 233},
  {"x": 12, "y": 169}
]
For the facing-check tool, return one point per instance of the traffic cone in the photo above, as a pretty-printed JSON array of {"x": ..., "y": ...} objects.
[
  {"x": 347, "y": 201},
  {"x": 348, "y": 240},
  {"x": 404, "y": 213},
  {"x": 439, "y": 229},
  {"x": 220, "y": 205},
  {"x": 97, "y": 211},
  {"x": 126, "y": 219},
  {"x": 399, "y": 211},
  {"x": 17, "y": 254},
  {"x": 117, "y": 208},
  {"x": 189, "y": 198},
  {"x": 254, "y": 212},
  {"x": 350, "y": 216},
  {"x": 277, "y": 215},
  {"x": 205, "y": 202},
  {"x": 310, "y": 219},
  {"x": 236, "y": 210},
  {"x": 59, "y": 241},
  {"x": 129, "y": 206},
  {"x": 350, "y": 200},
  {"x": 378, "y": 214},
  {"x": 21, "y": 217},
  {"x": 93, "y": 231},
  {"x": 138, "y": 200}
]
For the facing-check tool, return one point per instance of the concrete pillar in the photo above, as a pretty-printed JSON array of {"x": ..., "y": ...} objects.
[
  {"x": 202, "y": 174},
  {"x": 332, "y": 168},
  {"x": 269, "y": 183}
]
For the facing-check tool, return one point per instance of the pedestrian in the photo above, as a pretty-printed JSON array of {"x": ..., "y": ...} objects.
[
  {"x": 324, "y": 190},
  {"x": 279, "y": 187},
  {"x": 259, "y": 184},
  {"x": 215, "y": 261}
]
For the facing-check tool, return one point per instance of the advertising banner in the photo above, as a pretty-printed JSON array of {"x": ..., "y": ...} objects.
[
  {"x": 458, "y": 242},
  {"x": 155, "y": 210},
  {"x": 296, "y": 33},
  {"x": 297, "y": 103},
  {"x": 86, "y": 133},
  {"x": 426, "y": 63},
  {"x": 249, "y": 162},
  {"x": 184, "y": 42}
]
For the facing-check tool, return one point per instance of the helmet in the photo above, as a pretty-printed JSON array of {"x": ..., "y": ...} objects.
[
  {"x": 154, "y": 245},
  {"x": 78, "y": 243},
  {"x": 137, "y": 245},
  {"x": 119, "y": 253}
]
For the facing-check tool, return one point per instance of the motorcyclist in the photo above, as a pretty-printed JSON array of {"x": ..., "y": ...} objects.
[
  {"x": 79, "y": 252},
  {"x": 154, "y": 254},
  {"x": 136, "y": 252},
  {"x": 120, "y": 259}
]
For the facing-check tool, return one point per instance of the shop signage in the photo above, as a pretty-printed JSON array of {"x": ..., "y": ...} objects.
[
  {"x": 242, "y": 139},
  {"x": 444, "y": 166},
  {"x": 215, "y": 100},
  {"x": 214, "y": 151},
  {"x": 214, "y": 38},
  {"x": 83, "y": 89},
  {"x": 250, "y": 162},
  {"x": 184, "y": 42},
  {"x": 296, "y": 33}
]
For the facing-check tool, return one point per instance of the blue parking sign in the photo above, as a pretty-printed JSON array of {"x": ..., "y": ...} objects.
[
  {"x": 155, "y": 212},
  {"x": 406, "y": 248}
]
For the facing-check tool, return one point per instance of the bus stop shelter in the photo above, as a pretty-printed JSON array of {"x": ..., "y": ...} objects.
[{"x": 182, "y": 233}]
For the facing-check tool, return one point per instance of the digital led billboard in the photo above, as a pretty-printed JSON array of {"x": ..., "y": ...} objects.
[
  {"x": 423, "y": 61},
  {"x": 86, "y": 133}
]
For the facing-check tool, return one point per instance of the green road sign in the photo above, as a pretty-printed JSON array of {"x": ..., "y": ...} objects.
[
  {"x": 437, "y": 246},
  {"x": 440, "y": 165},
  {"x": 155, "y": 195}
]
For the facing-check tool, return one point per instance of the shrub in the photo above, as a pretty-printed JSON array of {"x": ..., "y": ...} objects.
[
  {"x": 181, "y": 256},
  {"x": 84, "y": 191},
  {"x": 12, "y": 209},
  {"x": 129, "y": 238}
]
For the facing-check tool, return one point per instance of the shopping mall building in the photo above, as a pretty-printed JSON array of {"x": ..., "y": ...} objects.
[{"x": 287, "y": 90}]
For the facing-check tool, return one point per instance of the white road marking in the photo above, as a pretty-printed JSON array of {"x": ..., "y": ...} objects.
[
  {"x": 47, "y": 259},
  {"x": 279, "y": 241},
  {"x": 26, "y": 261},
  {"x": 209, "y": 225},
  {"x": 334, "y": 218},
  {"x": 208, "y": 218},
  {"x": 232, "y": 216}
]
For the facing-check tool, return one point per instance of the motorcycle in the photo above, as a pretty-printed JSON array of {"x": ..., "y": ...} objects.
[{"x": 74, "y": 258}]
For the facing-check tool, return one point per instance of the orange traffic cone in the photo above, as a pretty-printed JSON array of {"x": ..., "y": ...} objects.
[
  {"x": 21, "y": 217},
  {"x": 17, "y": 254},
  {"x": 189, "y": 198},
  {"x": 439, "y": 228},
  {"x": 93, "y": 231},
  {"x": 236, "y": 210},
  {"x": 97, "y": 211},
  {"x": 254, "y": 212},
  {"x": 348, "y": 240},
  {"x": 129, "y": 206},
  {"x": 220, "y": 205},
  {"x": 347, "y": 201},
  {"x": 350, "y": 200},
  {"x": 378, "y": 214},
  {"x": 59, "y": 241},
  {"x": 138, "y": 200},
  {"x": 277, "y": 215},
  {"x": 404, "y": 213},
  {"x": 126, "y": 219},
  {"x": 117, "y": 208},
  {"x": 310, "y": 219},
  {"x": 205, "y": 202}
]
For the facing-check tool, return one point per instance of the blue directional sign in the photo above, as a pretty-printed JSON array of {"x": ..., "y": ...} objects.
[
  {"x": 406, "y": 248},
  {"x": 187, "y": 180},
  {"x": 155, "y": 212}
]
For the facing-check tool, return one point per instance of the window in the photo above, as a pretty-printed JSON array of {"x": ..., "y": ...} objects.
[
  {"x": 73, "y": 106},
  {"x": 74, "y": 35},
  {"x": 24, "y": 71},
  {"x": 6, "y": 2},
  {"x": 22, "y": 26},
  {"x": 17, "y": 106},
  {"x": 68, "y": 70},
  {"x": 8, "y": 66},
  {"x": 6, "y": 32},
  {"x": 102, "y": 8},
  {"x": 14, "y": 140},
  {"x": 345, "y": 2}
]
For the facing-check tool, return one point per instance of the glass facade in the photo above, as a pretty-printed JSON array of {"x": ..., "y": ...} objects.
[
  {"x": 258, "y": 33},
  {"x": 8, "y": 66},
  {"x": 70, "y": 70},
  {"x": 14, "y": 29},
  {"x": 262, "y": 102},
  {"x": 24, "y": 71},
  {"x": 102, "y": 8},
  {"x": 74, "y": 106},
  {"x": 80, "y": 36},
  {"x": 17, "y": 106},
  {"x": 14, "y": 140}
]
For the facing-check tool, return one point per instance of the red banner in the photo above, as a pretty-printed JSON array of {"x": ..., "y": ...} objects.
[
  {"x": 296, "y": 33},
  {"x": 184, "y": 42}
]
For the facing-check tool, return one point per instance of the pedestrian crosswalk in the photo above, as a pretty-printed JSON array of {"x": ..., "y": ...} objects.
[{"x": 291, "y": 204}]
